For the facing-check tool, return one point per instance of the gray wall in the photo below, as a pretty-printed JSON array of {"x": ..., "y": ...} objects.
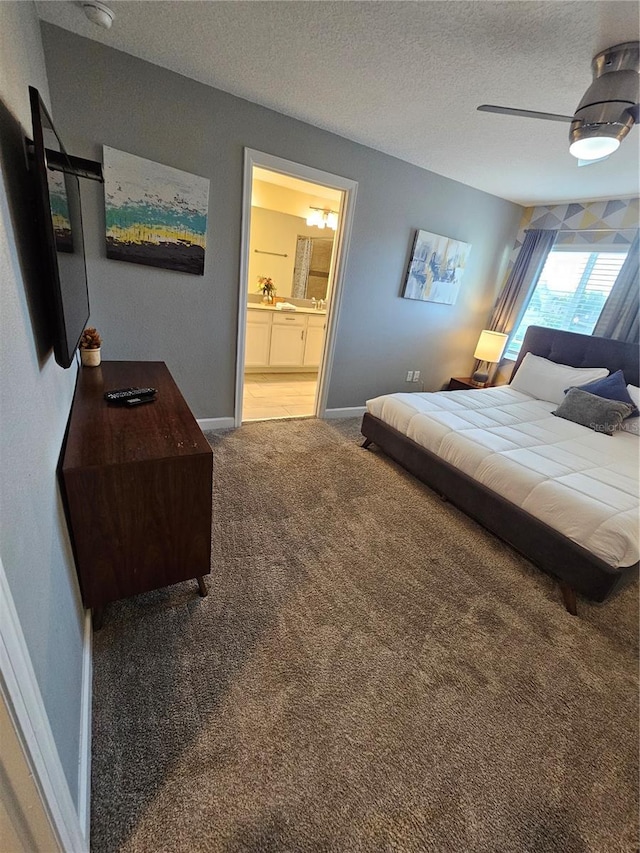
[
  {"x": 102, "y": 96},
  {"x": 35, "y": 396}
]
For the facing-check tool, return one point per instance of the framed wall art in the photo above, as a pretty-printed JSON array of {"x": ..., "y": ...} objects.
[
  {"x": 155, "y": 214},
  {"x": 436, "y": 268}
]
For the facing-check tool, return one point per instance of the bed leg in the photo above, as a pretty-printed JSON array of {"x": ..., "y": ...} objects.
[
  {"x": 569, "y": 598},
  {"x": 366, "y": 443}
]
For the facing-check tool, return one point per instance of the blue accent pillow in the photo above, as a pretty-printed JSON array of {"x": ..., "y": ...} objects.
[{"x": 613, "y": 387}]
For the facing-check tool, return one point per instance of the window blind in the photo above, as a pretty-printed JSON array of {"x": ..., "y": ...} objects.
[{"x": 570, "y": 294}]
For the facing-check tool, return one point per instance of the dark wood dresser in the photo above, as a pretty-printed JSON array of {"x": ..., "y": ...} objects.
[{"x": 137, "y": 483}]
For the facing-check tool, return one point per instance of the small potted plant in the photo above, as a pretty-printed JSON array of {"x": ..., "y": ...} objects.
[
  {"x": 268, "y": 288},
  {"x": 90, "y": 344}
]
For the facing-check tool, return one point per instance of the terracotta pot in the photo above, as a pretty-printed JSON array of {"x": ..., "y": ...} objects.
[{"x": 90, "y": 357}]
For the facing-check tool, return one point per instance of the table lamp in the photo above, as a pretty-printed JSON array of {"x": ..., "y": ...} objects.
[{"x": 489, "y": 349}]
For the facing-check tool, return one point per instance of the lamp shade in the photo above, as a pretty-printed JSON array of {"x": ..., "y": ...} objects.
[{"x": 490, "y": 346}]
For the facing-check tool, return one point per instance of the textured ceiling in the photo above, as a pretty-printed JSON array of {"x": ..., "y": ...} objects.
[{"x": 403, "y": 77}]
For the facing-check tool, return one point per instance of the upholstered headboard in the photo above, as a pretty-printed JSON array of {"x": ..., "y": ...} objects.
[{"x": 582, "y": 351}]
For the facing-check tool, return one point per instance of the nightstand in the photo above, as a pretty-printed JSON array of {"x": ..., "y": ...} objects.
[{"x": 464, "y": 383}]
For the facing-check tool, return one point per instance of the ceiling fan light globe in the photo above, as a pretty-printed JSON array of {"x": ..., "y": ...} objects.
[{"x": 594, "y": 147}]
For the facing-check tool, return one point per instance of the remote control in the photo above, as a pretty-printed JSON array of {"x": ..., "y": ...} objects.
[
  {"x": 138, "y": 401},
  {"x": 121, "y": 395}
]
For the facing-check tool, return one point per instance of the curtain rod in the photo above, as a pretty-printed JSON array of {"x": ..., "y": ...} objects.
[
  {"x": 593, "y": 230},
  {"x": 586, "y": 230}
]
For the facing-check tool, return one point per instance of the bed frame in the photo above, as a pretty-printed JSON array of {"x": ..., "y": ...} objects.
[{"x": 575, "y": 568}]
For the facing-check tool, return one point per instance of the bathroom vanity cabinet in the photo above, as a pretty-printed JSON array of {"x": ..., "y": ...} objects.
[{"x": 284, "y": 339}]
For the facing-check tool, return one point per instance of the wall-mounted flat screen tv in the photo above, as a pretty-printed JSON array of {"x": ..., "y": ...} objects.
[{"x": 57, "y": 197}]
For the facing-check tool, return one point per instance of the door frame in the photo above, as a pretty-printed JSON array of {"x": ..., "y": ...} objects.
[
  {"x": 253, "y": 158},
  {"x": 21, "y": 695}
]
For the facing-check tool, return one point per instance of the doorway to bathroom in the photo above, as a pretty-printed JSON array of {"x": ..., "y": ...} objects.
[{"x": 296, "y": 223}]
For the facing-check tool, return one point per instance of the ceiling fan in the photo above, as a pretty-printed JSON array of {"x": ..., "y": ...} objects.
[{"x": 608, "y": 110}]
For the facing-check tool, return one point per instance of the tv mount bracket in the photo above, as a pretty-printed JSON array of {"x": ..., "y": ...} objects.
[{"x": 78, "y": 166}]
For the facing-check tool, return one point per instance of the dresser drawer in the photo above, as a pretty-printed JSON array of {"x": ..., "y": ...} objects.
[
  {"x": 282, "y": 319},
  {"x": 258, "y": 315}
]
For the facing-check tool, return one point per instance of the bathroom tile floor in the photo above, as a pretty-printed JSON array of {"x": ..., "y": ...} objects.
[{"x": 278, "y": 395}]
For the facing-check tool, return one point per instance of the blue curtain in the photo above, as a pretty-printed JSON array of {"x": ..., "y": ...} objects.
[
  {"x": 522, "y": 280},
  {"x": 619, "y": 317}
]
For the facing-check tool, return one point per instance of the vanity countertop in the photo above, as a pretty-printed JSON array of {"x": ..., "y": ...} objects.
[{"x": 258, "y": 306}]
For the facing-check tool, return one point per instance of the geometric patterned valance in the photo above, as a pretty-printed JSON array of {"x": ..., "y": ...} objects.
[{"x": 610, "y": 215}]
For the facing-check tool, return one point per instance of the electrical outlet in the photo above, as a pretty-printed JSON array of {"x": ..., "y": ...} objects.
[
  {"x": 416, "y": 375},
  {"x": 409, "y": 376}
]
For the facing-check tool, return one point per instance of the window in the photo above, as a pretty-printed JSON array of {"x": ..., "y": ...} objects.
[{"x": 571, "y": 292}]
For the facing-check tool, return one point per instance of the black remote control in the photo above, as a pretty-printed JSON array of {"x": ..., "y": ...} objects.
[
  {"x": 138, "y": 401},
  {"x": 123, "y": 395}
]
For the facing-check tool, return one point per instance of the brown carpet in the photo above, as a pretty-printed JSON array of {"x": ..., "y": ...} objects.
[{"x": 371, "y": 671}]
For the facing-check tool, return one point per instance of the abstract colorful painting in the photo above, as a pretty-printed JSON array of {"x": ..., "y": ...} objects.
[
  {"x": 155, "y": 214},
  {"x": 435, "y": 269},
  {"x": 59, "y": 205}
]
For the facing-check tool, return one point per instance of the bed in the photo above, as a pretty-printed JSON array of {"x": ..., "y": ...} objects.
[{"x": 574, "y": 513}]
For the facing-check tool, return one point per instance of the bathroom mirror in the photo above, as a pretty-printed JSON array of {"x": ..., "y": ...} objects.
[{"x": 311, "y": 271}]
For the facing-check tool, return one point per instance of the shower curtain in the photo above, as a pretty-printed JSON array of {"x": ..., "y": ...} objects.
[{"x": 304, "y": 249}]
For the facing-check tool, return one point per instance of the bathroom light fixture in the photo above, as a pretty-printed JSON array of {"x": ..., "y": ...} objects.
[
  {"x": 323, "y": 218},
  {"x": 490, "y": 348},
  {"x": 98, "y": 13}
]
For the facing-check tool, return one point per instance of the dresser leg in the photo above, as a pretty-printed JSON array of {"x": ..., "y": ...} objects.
[
  {"x": 202, "y": 587},
  {"x": 366, "y": 443},
  {"x": 569, "y": 598},
  {"x": 97, "y": 617}
]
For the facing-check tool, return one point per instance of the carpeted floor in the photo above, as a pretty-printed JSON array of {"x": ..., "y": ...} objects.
[{"x": 371, "y": 671}]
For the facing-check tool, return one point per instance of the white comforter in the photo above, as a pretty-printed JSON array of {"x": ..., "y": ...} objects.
[{"x": 582, "y": 483}]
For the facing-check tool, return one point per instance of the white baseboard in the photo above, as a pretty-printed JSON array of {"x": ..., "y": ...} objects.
[
  {"x": 288, "y": 369},
  {"x": 206, "y": 424},
  {"x": 352, "y": 412},
  {"x": 84, "y": 768},
  {"x": 215, "y": 423}
]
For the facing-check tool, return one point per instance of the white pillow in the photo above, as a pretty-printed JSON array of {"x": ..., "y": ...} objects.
[
  {"x": 546, "y": 380},
  {"x": 632, "y": 425}
]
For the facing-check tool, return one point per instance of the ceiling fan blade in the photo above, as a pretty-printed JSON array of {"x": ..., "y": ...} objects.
[
  {"x": 590, "y": 162},
  {"x": 512, "y": 111}
]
